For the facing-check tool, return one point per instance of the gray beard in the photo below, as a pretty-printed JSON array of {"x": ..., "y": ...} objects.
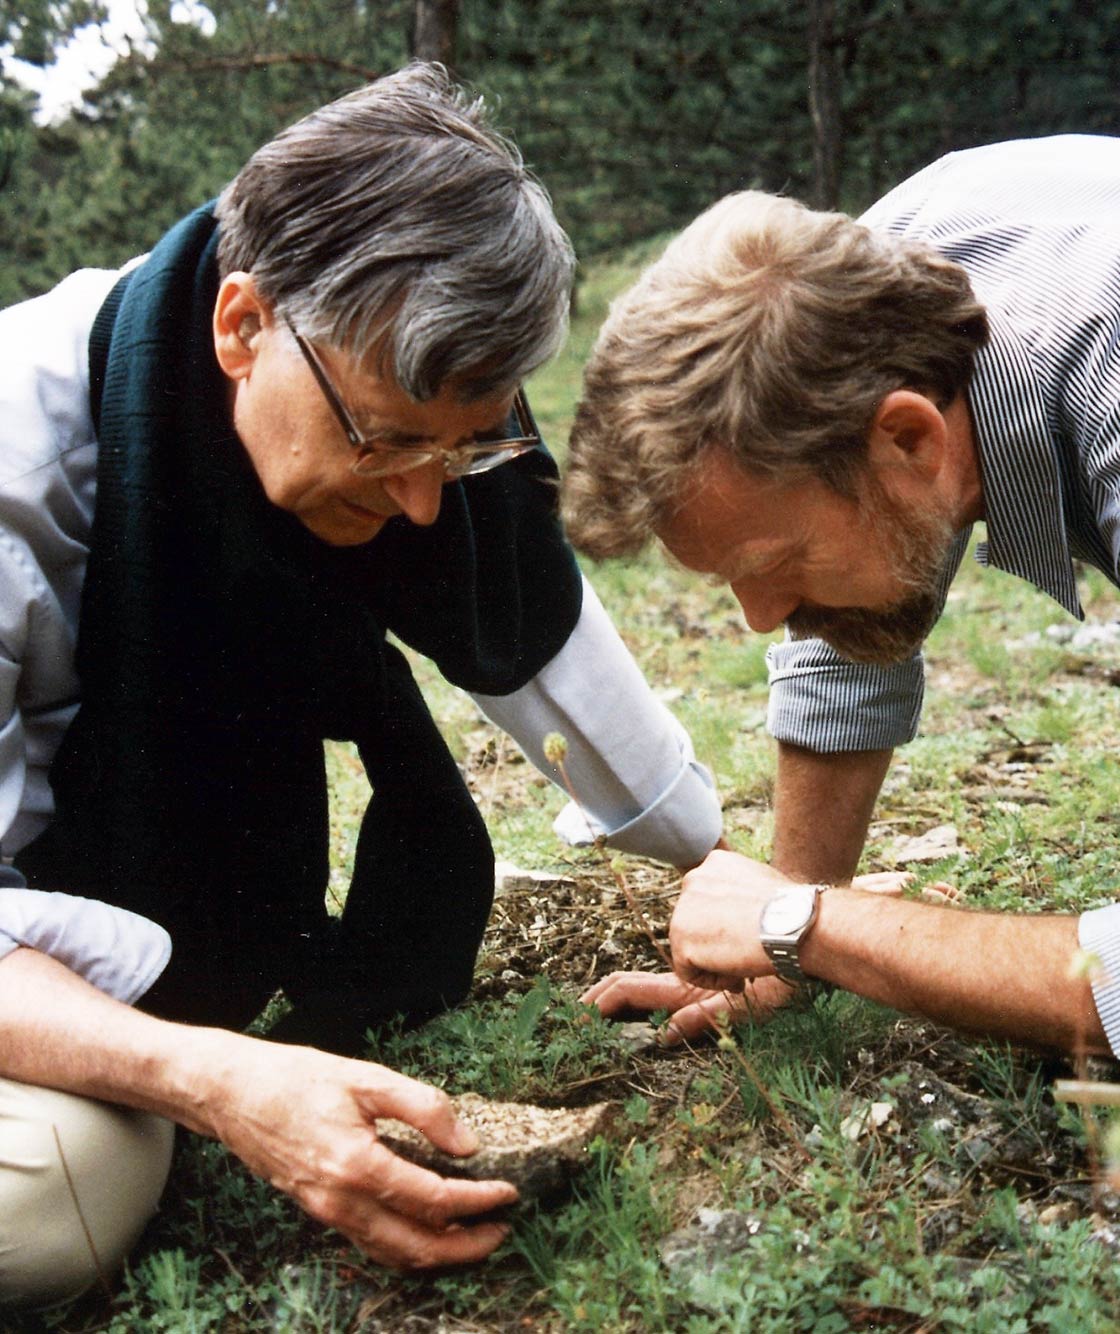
[
  {"x": 919, "y": 544},
  {"x": 877, "y": 638}
]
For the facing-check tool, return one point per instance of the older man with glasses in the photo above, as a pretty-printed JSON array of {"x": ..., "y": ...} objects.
[{"x": 228, "y": 473}]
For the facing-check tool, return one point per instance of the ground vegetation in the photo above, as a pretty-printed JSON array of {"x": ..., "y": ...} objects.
[{"x": 843, "y": 1168}]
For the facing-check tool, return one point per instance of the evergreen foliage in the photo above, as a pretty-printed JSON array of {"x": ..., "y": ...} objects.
[{"x": 636, "y": 114}]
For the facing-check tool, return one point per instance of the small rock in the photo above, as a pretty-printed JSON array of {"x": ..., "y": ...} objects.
[
  {"x": 864, "y": 1118},
  {"x": 1059, "y": 633},
  {"x": 928, "y": 847},
  {"x": 976, "y": 1150},
  {"x": 539, "y": 1149},
  {"x": 637, "y": 1037},
  {"x": 1096, "y": 635},
  {"x": 512, "y": 879},
  {"x": 1058, "y": 1214},
  {"x": 717, "y": 1234},
  {"x": 1080, "y": 1192},
  {"x": 939, "y": 1227},
  {"x": 1109, "y": 1203},
  {"x": 1091, "y": 635},
  {"x": 1107, "y": 1236},
  {"x": 940, "y": 1183}
]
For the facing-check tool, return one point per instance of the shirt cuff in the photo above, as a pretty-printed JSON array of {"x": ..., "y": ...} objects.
[
  {"x": 1098, "y": 932},
  {"x": 115, "y": 950},
  {"x": 681, "y": 827},
  {"x": 824, "y": 703},
  {"x": 629, "y": 761}
]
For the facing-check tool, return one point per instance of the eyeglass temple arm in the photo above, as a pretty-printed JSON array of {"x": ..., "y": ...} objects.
[{"x": 337, "y": 405}]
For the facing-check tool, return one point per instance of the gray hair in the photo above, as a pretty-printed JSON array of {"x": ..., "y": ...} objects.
[
  {"x": 768, "y": 330},
  {"x": 396, "y": 220}
]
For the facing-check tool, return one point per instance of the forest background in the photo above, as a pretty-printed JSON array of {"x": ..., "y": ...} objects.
[{"x": 635, "y": 113}]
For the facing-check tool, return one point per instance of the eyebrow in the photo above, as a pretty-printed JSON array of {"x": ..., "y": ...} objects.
[
  {"x": 372, "y": 428},
  {"x": 361, "y": 420}
]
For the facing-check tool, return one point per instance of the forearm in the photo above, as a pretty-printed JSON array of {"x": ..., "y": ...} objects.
[
  {"x": 63, "y": 1033},
  {"x": 998, "y": 974},
  {"x": 822, "y": 807}
]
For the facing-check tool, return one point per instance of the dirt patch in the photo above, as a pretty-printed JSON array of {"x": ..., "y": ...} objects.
[
  {"x": 944, "y": 1103},
  {"x": 575, "y": 930}
]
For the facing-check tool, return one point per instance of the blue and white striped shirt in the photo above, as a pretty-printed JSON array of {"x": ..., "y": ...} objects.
[{"x": 1036, "y": 223}]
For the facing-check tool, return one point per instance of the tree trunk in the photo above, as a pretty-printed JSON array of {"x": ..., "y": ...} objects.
[
  {"x": 824, "y": 102},
  {"x": 434, "y": 24}
]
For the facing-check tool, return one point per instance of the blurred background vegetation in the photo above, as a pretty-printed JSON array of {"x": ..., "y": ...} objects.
[{"x": 635, "y": 113}]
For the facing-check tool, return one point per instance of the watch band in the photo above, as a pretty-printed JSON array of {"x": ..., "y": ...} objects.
[
  {"x": 783, "y": 947},
  {"x": 785, "y": 957}
]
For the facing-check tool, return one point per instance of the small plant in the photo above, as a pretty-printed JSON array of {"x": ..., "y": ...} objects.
[
  {"x": 555, "y": 752},
  {"x": 523, "y": 1048}
]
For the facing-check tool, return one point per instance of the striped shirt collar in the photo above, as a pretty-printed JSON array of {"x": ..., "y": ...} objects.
[{"x": 1024, "y": 512}]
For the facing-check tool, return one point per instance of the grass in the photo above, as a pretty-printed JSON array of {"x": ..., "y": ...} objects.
[{"x": 935, "y": 1219}]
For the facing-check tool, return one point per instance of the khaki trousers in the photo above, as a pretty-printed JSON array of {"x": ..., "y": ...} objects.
[{"x": 72, "y": 1171}]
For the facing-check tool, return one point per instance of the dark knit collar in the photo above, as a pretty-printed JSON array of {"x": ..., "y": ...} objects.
[{"x": 490, "y": 591}]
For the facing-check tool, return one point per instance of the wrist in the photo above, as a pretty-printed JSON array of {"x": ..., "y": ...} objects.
[
  {"x": 836, "y": 949},
  {"x": 195, "y": 1075},
  {"x": 785, "y": 924}
]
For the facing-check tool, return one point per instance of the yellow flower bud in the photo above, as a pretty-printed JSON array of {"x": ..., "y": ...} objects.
[{"x": 555, "y": 748}]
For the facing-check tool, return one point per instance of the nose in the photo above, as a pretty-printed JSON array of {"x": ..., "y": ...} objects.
[
  {"x": 764, "y": 607},
  {"x": 418, "y": 492}
]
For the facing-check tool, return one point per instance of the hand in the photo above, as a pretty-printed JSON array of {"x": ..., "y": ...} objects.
[
  {"x": 713, "y": 932},
  {"x": 892, "y": 883},
  {"x": 306, "y": 1122},
  {"x": 693, "y": 1010}
]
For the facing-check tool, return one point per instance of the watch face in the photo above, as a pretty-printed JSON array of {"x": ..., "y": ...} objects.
[{"x": 788, "y": 911}]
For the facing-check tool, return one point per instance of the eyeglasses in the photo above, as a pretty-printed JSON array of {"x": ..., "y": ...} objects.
[{"x": 375, "y": 458}]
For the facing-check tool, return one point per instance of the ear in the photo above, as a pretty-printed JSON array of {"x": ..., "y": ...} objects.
[
  {"x": 909, "y": 431},
  {"x": 240, "y": 314}
]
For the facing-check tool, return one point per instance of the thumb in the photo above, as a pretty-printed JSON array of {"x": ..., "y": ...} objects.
[{"x": 428, "y": 1109}]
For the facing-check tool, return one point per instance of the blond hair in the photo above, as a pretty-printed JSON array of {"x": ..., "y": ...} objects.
[{"x": 771, "y": 331}]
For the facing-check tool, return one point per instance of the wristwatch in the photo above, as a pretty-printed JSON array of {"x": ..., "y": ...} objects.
[{"x": 784, "y": 923}]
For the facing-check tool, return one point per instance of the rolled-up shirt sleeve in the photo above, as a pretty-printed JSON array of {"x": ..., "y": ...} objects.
[
  {"x": 117, "y": 951},
  {"x": 823, "y": 702},
  {"x": 630, "y": 762},
  {"x": 1098, "y": 933}
]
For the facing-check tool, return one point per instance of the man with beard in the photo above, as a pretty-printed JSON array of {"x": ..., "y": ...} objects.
[{"x": 814, "y": 410}]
